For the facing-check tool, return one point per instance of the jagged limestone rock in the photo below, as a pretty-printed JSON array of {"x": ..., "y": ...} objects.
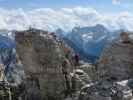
[
  {"x": 116, "y": 62},
  {"x": 79, "y": 78},
  {"x": 106, "y": 90},
  {"x": 42, "y": 56},
  {"x": 114, "y": 66},
  {"x": 90, "y": 70}
]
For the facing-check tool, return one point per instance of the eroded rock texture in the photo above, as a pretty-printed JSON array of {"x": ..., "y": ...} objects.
[
  {"x": 42, "y": 56},
  {"x": 116, "y": 62},
  {"x": 114, "y": 72},
  {"x": 50, "y": 71}
]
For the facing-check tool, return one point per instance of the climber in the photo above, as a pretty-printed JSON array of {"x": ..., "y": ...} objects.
[
  {"x": 125, "y": 37},
  {"x": 65, "y": 72},
  {"x": 76, "y": 59}
]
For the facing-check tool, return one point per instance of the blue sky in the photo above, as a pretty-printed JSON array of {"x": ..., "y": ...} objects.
[{"x": 101, "y": 5}]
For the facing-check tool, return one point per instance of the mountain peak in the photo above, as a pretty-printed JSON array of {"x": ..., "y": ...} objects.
[{"x": 99, "y": 26}]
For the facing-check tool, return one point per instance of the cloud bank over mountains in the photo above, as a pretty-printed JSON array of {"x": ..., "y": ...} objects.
[{"x": 64, "y": 18}]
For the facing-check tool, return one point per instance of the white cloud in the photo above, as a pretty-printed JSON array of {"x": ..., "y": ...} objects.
[
  {"x": 116, "y": 2},
  {"x": 65, "y": 18}
]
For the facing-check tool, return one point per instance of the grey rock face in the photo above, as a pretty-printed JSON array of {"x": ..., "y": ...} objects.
[
  {"x": 48, "y": 69},
  {"x": 42, "y": 56},
  {"x": 82, "y": 76},
  {"x": 116, "y": 62},
  {"x": 113, "y": 68}
]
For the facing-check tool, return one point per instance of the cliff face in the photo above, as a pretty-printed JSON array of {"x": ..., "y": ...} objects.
[
  {"x": 114, "y": 73},
  {"x": 50, "y": 71},
  {"x": 42, "y": 57},
  {"x": 116, "y": 62}
]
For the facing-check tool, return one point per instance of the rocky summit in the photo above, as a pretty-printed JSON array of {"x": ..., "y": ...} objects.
[
  {"x": 42, "y": 56},
  {"x": 47, "y": 68}
]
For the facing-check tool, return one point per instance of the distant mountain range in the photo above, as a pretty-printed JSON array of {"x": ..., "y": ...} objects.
[
  {"x": 6, "y": 40},
  {"x": 89, "y": 41}
]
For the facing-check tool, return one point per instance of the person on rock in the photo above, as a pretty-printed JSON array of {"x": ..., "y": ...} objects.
[{"x": 76, "y": 59}]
